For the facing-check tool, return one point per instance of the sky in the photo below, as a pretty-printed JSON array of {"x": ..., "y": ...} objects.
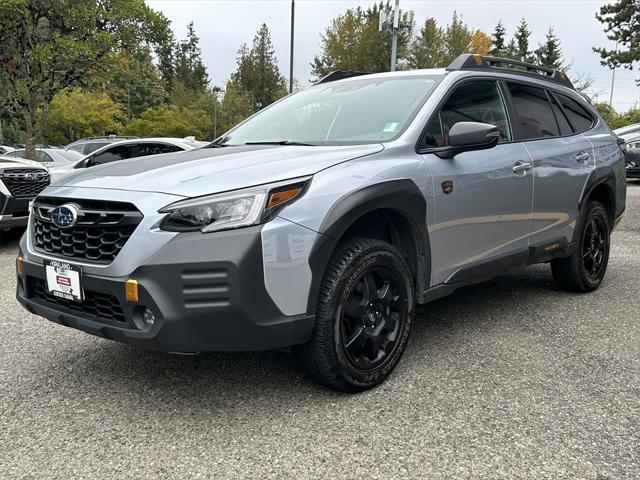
[{"x": 224, "y": 25}]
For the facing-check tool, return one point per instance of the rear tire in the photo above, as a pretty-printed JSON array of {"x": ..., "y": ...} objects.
[
  {"x": 363, "y": 318},
  {"x": 585, "y": 269}
]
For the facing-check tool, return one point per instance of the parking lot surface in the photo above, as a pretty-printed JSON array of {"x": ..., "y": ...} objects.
[{"x": 511, "y": 378}]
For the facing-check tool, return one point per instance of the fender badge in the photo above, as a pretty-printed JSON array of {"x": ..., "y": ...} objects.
[{"x": 447, "y": 186}]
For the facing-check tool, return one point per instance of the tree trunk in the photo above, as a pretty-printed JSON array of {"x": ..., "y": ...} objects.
[{"x": 30, "y": 142}]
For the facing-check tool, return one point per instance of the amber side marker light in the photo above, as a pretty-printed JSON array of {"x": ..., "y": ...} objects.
[
  {"x": 282, "y": 196},
  {"x": 131, "y": 290},
  {"x": 19, "y": 265}
]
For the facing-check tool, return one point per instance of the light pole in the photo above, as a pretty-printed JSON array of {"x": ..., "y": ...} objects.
[
  {"x": 613, "y": 80},
  {"x": 293, "y": 19}
]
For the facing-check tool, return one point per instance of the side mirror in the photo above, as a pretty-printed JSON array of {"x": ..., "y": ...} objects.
[{"x": 467, "y": 137}]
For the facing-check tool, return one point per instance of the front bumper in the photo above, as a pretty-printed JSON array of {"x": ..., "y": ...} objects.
[
  {"x": 207, "y": 293},
  {"x": 14, "y": 212}
]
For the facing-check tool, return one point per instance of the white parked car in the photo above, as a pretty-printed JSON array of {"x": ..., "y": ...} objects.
[
  {"x": 4, "y": 149},
  {"x": 20, "y": 182},
  {"x": 127, "y": 149},
  {"x": 51, "y": 157}
]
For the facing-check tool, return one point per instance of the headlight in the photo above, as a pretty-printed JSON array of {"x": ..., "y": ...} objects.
[
  {"x": 231, "y": 210},
  {"x": 633, "y": 145}
]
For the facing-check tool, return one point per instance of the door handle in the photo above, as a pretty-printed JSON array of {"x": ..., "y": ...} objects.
[
  {"x": 522, "y": 167},
  {"x": 583, "y": 157}
]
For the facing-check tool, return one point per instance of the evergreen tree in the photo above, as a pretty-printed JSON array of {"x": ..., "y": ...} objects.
[
  {"x": 258, "y": 72},
  {"x": 549, "y": 53},
  {"x": 457, "y": 38},
  {"x": 521, "y": 38},
  {"x": 428, "y": 48},
  {"x": 622, "y": 25},
  {"x": 189, "y": 68},
  {"x": 498, "y": 40}
]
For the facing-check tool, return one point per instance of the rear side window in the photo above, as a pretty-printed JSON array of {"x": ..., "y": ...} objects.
[
  {"x": 156, "y": 148},
  {"x": 579, "y": 117},
  {"x": 535, "y": 114},
  {"x": 121, "y": 152},
  {"x": 477, "y": 101},
  {"x": 563, "y": 123}
]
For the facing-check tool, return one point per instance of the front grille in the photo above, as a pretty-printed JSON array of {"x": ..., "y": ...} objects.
[
  {"x": 101, "y": 231},
  {"x": 95, "y": 304},
  {"x": 25, "y": 182}
]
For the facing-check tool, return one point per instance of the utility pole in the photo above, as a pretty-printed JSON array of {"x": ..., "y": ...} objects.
[
  {"x": 293, "y": 19},
  {"x": 394, "y": 23},
  {"x": 394, "y": 39},
  {"x": 613, "y": 80}
]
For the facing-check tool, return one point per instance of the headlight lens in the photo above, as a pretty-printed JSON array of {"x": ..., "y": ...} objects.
[
  {"x": 633, "y": 145},
  {"x": 231, "y": 210}
]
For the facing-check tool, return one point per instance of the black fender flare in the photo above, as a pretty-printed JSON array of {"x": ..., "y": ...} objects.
[
  {"x": 602, "y": 176},
  {"x": 402, "y": 196}
]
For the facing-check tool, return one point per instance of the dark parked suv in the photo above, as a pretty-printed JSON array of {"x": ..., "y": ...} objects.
[{"x": 319, "y": 223}]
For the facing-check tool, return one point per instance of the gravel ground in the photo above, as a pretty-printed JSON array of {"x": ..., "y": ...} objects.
[{"x": 511, "y": 378}]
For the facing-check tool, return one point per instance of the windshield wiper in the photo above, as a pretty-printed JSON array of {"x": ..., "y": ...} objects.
[
  {"x": 216, "y": 145},
  {"x": 281, "y": 142}
]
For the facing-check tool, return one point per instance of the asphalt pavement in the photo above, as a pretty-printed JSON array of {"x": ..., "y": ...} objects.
[{"x": 511, "y": 378}]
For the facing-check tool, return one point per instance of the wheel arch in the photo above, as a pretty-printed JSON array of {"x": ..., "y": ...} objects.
[
  {"x": 394, "y": 211},
  {"x": 601, "y": 188}
]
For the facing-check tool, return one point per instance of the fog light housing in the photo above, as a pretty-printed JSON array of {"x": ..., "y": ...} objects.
[{"x": 148, "y": 318}]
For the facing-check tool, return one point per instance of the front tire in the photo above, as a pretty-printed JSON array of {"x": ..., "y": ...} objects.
[
  {"x": 584, "y": 270},
  {"x": 363, "y": 318}
]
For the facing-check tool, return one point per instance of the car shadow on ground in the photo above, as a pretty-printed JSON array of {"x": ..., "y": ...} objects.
[{"x": 222, "y": 380}]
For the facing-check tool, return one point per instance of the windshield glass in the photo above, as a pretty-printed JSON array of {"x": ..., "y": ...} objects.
[{"x": 355, "y": 111}]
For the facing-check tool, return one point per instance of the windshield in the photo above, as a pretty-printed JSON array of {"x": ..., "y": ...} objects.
[{"x": 356, "y": 111}]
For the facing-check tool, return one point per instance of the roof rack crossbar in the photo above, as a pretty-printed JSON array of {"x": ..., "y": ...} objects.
[
  {"x": 470, "y": 61},
  {"x": 340, "y": 75}
]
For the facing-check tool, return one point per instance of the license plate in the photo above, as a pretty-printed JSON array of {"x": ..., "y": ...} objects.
[{"x": 64, "y": 280}]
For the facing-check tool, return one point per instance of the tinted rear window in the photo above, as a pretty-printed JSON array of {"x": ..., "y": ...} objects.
[
  {"x": 535, "y": 114},
  {"x": 579, "y": 117},
  {"x": 563, "y": 123}
]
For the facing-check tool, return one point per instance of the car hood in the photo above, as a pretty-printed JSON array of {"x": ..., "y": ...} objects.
[
  {"x": 630, "y": 137},
  {"x": 212, "y": 170},
  {"x": 19, "y": 162}
]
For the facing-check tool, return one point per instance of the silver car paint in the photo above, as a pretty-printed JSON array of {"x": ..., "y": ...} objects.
[{"x": 489, "y": 213}]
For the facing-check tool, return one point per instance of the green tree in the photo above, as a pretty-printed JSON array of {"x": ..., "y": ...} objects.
[
  {"x": 47, "y": 46},
  {"x": 549, "y": 53},
  {"x": 622, "y": 25},
  {"x": 76, "y": 113},
  {"x": 258, "y": 72},
  {"x": 234, "y": 108},
  {"x": 353, "y": 42},
  {"x": 498, "y": 40},
  {"x": 428, "y": 49},
  {"x": 189, "y": 68},
  {"x": 172, "y": 121},
  {"x": 521, "y": 38},
  {"x": 131, "y": 79},
  {"x": 457, "y": 38}
]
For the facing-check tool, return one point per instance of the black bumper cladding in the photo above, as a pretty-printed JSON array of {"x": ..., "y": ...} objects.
[{"x": 207, "y": 294}]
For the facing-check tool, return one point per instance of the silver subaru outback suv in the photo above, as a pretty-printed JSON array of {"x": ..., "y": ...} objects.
[{"x": 319, "y": 223}]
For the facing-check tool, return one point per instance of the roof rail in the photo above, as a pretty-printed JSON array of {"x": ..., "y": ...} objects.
[
  {"x": 470, "y": 61},
  {"x": 341, "y": 75}
]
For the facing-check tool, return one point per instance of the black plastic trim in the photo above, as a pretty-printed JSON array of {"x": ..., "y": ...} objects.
[{"x": 402, "y": 196}]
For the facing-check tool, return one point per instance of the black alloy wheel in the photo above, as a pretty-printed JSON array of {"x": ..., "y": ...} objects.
[{"x": 371, "y": 318}]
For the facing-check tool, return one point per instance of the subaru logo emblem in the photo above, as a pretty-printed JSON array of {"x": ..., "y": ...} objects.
[
  {"x": 31, "y": 176},
  {"x": 65, "y": 216}
]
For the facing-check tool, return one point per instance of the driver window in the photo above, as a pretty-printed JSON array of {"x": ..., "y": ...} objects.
[{"x": 477, "y": 101}]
